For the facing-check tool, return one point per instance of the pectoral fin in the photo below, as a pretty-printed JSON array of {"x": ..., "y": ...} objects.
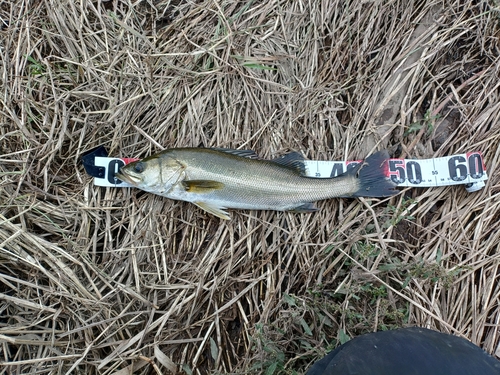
[
  {"x": 213, "y": 209},
  {"x": 202, "y": 186}
]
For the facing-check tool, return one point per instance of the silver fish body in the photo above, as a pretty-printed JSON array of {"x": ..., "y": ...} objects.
[{"x": 217, "y": 179}]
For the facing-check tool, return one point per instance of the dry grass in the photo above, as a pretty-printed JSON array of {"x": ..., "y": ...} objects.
[{"x": 115, "y": 281}]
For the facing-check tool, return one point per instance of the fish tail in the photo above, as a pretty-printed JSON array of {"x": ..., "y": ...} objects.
[{"x": 373, "y": 176}]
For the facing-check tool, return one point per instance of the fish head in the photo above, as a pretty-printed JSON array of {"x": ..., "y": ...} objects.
[{"x": 155, "y": 174}]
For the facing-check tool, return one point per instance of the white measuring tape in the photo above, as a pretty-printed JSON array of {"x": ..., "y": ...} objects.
[{"x": 463, "y": 169}]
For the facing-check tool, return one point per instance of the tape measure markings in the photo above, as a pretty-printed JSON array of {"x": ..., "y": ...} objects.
[{"x": 459, "y": 169}]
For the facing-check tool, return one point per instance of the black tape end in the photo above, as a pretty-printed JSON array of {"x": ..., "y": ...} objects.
[{"x": 88, "y": 159}]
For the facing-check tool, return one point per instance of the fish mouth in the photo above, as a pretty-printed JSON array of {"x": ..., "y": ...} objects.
[{"x": 126, "y": 178}]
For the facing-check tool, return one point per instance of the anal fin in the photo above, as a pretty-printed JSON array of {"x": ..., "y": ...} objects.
[
  {"x": 213, "y": 209},
  {"x": 305, "y": 208}
]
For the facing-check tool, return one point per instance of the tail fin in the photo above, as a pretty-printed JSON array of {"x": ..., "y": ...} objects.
[{"x": 373, "y": 176}]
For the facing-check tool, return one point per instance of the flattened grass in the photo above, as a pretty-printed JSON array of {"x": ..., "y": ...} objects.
[{"x": 115, "y": 281}]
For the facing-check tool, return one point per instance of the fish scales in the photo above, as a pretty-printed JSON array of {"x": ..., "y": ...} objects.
[
  {"x": 216, "y": 179},
  {"x": 260, "y": 184}
]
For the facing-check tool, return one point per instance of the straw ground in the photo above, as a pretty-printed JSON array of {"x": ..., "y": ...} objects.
[{"x": 116, "y": 281}]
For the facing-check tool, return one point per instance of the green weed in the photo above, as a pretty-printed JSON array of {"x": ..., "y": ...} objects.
[
  {"x": 426, "y": 122},
  {"x": 397, "y": 212}
]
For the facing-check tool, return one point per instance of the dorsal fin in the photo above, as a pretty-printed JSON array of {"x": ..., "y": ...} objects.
[
  {"x": 293, "y": 160},
  {"x": 244, "y": 153}
]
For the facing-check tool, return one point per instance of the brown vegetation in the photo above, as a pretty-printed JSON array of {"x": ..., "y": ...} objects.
[{"x": 116, "y": 281}]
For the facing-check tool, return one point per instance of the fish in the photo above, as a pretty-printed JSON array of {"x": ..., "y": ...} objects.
[{"x": 217, "y": 179}]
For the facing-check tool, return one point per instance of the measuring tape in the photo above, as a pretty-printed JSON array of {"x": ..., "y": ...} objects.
[{"x": 463, "y": 169}]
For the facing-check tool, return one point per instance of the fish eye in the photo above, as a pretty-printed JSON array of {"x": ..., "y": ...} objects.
[{"x": 139, "y": 167}]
